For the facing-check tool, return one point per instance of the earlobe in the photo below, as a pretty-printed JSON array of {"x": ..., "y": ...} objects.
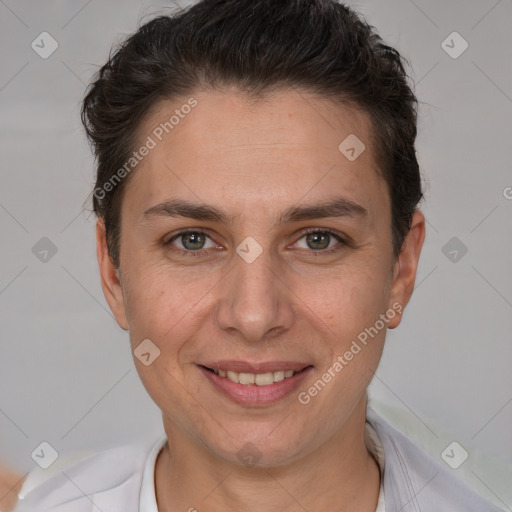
[
  {"x": 110, "y": 277},
  {"x": 406, "y": 266}
]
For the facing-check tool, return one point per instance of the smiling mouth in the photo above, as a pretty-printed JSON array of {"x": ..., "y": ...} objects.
[{"x": 255, "y": 379}]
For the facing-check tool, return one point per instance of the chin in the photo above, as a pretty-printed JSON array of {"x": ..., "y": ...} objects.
[{"x": 258, "y": 450}]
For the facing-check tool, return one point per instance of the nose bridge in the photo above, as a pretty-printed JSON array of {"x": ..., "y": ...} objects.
[{"x": 254, "y": 300}]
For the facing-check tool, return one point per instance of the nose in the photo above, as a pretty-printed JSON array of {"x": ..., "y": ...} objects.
[{"x": 255, "y": 304}]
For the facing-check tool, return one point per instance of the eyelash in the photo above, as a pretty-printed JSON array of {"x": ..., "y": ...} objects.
[{"x": 342, "y": 243}]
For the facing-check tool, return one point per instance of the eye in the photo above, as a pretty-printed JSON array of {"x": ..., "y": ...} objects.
[
  {"x": 196, "y": 242},
  {"x": 322, "y": 240},
  {"x": 191, "y": 241}
]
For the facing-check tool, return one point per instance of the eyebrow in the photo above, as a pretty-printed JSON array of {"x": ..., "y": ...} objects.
[{"x": 336, "y": 207}]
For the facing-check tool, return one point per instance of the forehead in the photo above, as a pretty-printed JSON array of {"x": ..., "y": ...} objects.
[{"x": 285, "y": 148}]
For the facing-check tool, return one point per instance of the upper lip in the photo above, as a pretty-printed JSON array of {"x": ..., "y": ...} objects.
[{"x": 249, "y": 367}]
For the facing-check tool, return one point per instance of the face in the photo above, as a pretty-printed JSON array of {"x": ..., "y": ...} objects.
[{"x": 251, "y": 244}]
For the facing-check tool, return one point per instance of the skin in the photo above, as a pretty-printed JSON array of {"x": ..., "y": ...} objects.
[
  {"x": 10, "y": 485},
  {"x": 294, "y": 302}
]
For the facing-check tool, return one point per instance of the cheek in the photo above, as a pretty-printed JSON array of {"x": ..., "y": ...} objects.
[
  {"x": 353, "y": 332},
  {"x": 164, "y": 304},
  {"x": 160, "y": 310},
  {"x": 149, "y": 299},
  {"x": 350, "y": 299}
]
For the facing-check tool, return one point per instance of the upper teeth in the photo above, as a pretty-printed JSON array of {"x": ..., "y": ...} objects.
[{"x": 260, "y": 379}]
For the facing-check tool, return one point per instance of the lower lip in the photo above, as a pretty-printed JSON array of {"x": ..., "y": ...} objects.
[{"x": 256, "y": 395}]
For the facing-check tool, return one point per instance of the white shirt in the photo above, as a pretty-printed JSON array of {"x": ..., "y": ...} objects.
[
  {"x": 148, "y": 502},
  {"x": 121, "y": 479}
]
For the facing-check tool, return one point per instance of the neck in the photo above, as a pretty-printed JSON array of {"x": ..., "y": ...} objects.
[{"x": 340, "y": 475}]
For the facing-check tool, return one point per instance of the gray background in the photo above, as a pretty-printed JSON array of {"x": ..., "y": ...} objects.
[{"x": 66, "y": 372}]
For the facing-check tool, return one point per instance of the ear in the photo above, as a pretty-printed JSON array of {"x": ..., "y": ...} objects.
[
  {"x": 110, "y": 282},
  {"x": 404, "y": 274}
]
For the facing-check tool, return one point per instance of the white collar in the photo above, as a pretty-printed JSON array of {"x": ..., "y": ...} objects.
[{"x": 147, "y": 502}]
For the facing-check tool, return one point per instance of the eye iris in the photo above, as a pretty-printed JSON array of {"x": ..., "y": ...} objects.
[
  {"x": 315, "y": 238},
  {"x": 196, "y": 240}
]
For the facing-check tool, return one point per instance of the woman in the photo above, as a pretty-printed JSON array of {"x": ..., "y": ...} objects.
[{"x": 258, "y": 232}]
